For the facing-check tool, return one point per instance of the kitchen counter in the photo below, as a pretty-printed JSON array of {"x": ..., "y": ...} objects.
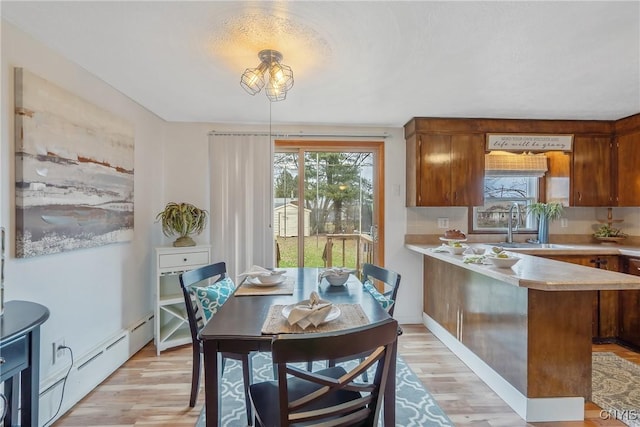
[
  {"x": 545, "y": 274},
  {"x": 526, "y": 330}
]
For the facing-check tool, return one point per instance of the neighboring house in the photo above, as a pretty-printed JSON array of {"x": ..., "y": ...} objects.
[{"x": 285, "y": 219}]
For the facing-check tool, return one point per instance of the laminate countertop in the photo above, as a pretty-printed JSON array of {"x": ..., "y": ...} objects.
[{"x": 544, "y": 274}]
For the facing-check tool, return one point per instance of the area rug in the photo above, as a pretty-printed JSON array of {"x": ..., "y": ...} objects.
[
  {"x": 415, "y": 407},
  {"x": 616, "y": 388}
]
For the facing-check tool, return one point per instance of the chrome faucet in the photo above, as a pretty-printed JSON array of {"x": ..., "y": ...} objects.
[{"x": 510, "y": 222}]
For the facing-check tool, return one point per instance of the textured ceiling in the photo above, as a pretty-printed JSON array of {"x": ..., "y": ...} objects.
[{"x": 355, "y": 63}]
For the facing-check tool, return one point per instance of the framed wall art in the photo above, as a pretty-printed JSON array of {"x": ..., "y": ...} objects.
[{"x": 74, "y": 171}]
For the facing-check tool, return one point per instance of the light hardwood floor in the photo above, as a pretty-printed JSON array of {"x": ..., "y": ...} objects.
[{"x": 152, "y": 390}]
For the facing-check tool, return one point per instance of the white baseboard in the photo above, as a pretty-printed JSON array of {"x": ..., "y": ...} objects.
[
  {"x": 530, "y": 409},
  {"x": 90, "y": 369}
]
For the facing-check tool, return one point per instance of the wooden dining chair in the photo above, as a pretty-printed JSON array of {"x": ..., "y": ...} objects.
[
  {"x": 372, "y": 277},
  {"x": 389, "y": 280},
  {"x": 328, "y": 397},
  {"x": 205, "y": 290}
]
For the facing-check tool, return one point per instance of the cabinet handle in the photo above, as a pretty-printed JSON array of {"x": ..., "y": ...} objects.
[
  {"x": 2, "y": 360},
  {"x": 184, "y": 259},
  {"x": 579, "y": 196}
]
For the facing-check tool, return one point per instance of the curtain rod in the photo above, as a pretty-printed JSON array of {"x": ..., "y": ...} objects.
[{"x": 300, "y": 135}]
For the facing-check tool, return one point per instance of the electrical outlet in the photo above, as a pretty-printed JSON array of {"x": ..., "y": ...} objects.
[
  {"x": 564, "y": 222},
  {"x": 57, "y": 352},
  {"x": 443, "y": 222}
]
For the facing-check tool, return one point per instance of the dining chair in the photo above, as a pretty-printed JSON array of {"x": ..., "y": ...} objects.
[
  {"x": 329, "y": 396},
  {"x": 205, "y": 290},
  {"x": 390, "y": 281}
]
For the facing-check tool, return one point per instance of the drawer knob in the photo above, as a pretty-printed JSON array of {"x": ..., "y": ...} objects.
[{"x": 184, "y": 259}]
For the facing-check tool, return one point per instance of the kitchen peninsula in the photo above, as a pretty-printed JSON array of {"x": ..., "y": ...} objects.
[{"x": 525, "y": 330}]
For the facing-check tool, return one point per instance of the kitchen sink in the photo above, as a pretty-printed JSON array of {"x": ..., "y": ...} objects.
[{"x": 527, "y": 245}]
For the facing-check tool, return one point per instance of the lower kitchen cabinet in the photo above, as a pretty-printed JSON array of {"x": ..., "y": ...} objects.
[
  {"x": 629, "y": 307},
  {"x": 605, "y": 304}
]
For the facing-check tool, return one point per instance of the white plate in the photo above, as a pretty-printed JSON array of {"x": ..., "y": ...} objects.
[
  {"x": 334, "y": 313},
  {"x": 444, "y": 239},
  {"x": 255, "y": 281}
]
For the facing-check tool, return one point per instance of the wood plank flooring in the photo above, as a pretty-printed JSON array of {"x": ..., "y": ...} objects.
[{"x": 152, "y": 390}]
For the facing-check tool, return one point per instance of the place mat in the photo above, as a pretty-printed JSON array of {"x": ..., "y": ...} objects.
[
  {"x": 351, "y": 316},
  {"x": 284, "y": 288}
]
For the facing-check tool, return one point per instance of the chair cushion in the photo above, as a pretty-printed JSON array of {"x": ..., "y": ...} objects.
[
  {"x": 266, "y": 399},
  {"x": 210, "y": 298},
  {"x": 385, "y": 302}
]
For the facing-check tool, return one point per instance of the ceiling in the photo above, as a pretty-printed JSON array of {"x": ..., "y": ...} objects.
[{"x": 354, "y": 63}]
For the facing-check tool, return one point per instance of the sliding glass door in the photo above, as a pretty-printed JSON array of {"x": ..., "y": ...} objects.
[{"x": 332, "y": 216}]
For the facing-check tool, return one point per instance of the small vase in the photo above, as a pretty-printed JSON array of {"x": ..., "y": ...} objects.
[
  {"x": 543, "y": 229},
  {"x": 183, "y": 241}
]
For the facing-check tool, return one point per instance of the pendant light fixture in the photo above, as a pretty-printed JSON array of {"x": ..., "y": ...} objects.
[{"x": 280, "y": 76}]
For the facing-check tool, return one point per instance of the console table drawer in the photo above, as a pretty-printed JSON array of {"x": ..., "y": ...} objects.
[
  {"x": 184, "y": 260},
  {"x": 13, "y": 357}
]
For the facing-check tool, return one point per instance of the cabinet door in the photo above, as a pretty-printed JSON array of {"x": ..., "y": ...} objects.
[
  {"x": 630, "y": 307},
  {"x": 591, "y": 174},
  {"x": 434, "y": 188},
  {"x": 467, "y": 170},
  {"x": 628, "y": 177}
]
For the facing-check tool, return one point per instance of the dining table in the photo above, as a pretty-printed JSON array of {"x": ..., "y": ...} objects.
[{"x": 238, "y": 327}]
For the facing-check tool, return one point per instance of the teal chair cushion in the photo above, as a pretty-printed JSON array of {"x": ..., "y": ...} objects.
[
  {"x": 211, "y": 298},
  {"x": 385, "y": 302}
]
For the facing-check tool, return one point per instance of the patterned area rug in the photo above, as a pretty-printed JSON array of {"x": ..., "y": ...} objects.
[
  {"x": 616, "y": 388},
  {"x": 415, "y": 407}
]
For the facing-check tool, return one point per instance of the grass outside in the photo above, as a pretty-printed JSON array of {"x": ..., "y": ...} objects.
[{"x": 313, "y": 249}]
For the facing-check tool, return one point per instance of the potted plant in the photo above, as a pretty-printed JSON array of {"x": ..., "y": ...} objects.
[
  {"x": 182, "y": 219},
  {"x": 607, "y": 233},
  {"x": 545, "y": 212}
]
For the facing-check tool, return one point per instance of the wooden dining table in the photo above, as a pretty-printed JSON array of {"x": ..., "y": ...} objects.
[{"x": 237, "y": 327}]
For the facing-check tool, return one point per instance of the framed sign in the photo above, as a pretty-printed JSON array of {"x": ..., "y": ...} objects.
[{"x": 528, "y": 142}]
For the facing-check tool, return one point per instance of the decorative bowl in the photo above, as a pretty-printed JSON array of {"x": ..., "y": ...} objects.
[
  {"x": 503, "y": 262},
  {"x": 337, "y": 279},
  {"x": 456, "y": 250}
]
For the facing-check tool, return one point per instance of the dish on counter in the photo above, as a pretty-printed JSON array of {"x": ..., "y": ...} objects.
[
  {"x": 444, "y": 239},
  {"x": 334, "y": 312},
  {"x": 502, "y": 262}
]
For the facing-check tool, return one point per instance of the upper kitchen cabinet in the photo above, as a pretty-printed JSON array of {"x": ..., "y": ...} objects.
[
  {"x": 445, "y": 169},
  {"x": 627, "y": 150},
  {"x": 591, "y": 180}
]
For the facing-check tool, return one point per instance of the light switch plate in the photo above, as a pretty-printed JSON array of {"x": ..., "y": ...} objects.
[{"x": 564, "y": 222}]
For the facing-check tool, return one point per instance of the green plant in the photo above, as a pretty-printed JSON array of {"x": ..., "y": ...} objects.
[
  {"x": 182, "y": 219},
  {"x": 606, "y": 230},
  {"x": 551, "y": 211}
]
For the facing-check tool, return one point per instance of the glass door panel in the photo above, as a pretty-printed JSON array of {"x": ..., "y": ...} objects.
[{"x": 336, "y": 220}]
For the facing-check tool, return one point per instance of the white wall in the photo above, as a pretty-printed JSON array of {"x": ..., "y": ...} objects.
[{"x": 91, "y": 293}]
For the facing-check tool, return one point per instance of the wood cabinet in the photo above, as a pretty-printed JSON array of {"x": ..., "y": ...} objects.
[
  {"x": 627, "y": 150},
  {"x": 445, "y": 170},
  {"x": 171, "y": 323},
  {"x": 629, "y": 306},
  {"x": 591, "y": 180},
  {"x": 604, "y": 322}
]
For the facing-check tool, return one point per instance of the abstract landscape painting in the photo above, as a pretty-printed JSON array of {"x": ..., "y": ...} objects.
[{"x": 74, "y": 171}]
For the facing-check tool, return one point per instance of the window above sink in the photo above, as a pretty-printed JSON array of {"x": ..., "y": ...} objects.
[{"x": 500, "y": 193}]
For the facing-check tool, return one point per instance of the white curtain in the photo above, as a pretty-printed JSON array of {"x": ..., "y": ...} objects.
[{"x": 241, "y": 176}]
